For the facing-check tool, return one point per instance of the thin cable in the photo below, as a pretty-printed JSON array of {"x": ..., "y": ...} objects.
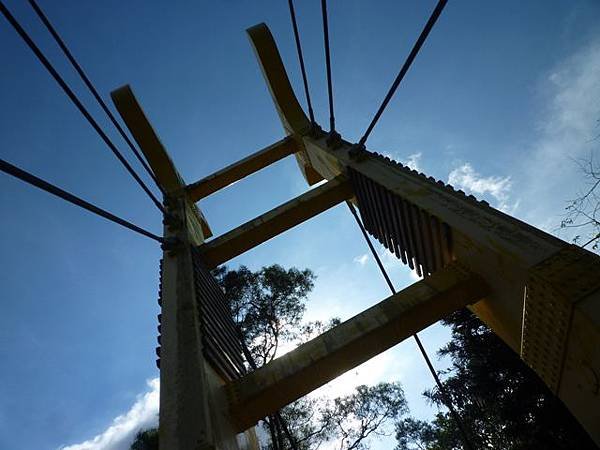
[
  {"x": 446, "y": 397},
  {"x": 328, "y": 65},
  {"x": 413, "y": 53},
  {"x": 91, "y": 88},
  {"x": 301, "y": 59},
  {"x": 31, "y": 179},
  {"x": 23, "y": 34}
]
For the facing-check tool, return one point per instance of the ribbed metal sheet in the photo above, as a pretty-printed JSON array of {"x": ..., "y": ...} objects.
[
  {"x": 160, "y": 302},
  {"x": 417, "y": 238},
  {"x": 221, "y": 342}
]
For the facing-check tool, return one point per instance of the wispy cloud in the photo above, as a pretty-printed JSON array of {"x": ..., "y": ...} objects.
[
  {"x": 362, "y": 259},
  {"x": 120, "y": 434},
  {"x": 466, "y": 178},
  {"x": 566, "y": 130},
  {"x": 413, "y": 161}
]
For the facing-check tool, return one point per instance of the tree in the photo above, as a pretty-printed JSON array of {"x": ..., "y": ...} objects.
[
  {"x": 355, "y": 417},
  {"x": 583, "y": 213},
  {"x": 500, "y": 400},
  {"x": 349, "y": 421},
  {"x": 412, "y": 433},
  {"x": 268, "y": 307},
  {"x": 146, "y": 440}
]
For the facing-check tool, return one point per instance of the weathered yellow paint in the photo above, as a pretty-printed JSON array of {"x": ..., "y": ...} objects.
[
  {"x": 276, "y": 221},
  {"x": 185, "y": 418},
  {"x": 241, "y": 169},
  {"x": 291, "y": 114},
  {"x": 193, "y": 410},
  {"x": 293, "y": 119},
  {"x": 540, "y": 295},
  {"x": 351, "y": 343},
  {"x": 507, "y": 253}
]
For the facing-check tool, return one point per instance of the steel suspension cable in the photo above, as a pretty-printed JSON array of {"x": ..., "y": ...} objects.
[
  {"x": 31, "y": 179},
  {"x": 445, "y": 396},
  {"x": 409, "y": 60},
  {"x": 301, "y": 60},
  {"x": 91, "y": 88},
  {"x": 75, "y": 100},
  {"x": 328, "y": 66}
]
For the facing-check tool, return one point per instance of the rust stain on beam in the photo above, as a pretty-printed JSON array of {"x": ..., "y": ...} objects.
[
  {"x": 276, "y": 221},
  {"x": 241, "y": 169},
  {"x": 351, "y": 343}
]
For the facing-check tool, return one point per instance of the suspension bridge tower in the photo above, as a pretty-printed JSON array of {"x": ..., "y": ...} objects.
[{"x": 538, "y": 293}]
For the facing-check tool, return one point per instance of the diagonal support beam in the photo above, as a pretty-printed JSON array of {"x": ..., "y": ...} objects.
[
  {"x": 144, "y": 134},
  {"x": 165, "y": 171},
  {"x": 351, "y": 343},
  {"x": 241, "y": 169},
  {"x": 276, "y": 221}
]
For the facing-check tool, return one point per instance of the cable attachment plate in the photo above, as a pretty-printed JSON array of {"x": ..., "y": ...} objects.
[
  {"x": 358, "y": 152},
  {"x": 334, "y": 140},
  {"x": 171, "y": 244},
  {"x": 172, "y": 222},
  {"x": 315, "y": 131}
]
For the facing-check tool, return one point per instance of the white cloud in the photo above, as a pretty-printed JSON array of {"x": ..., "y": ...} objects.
[
  {"x": 120, "y": 434},
  {"x": 467, "y": 179},
  {"x": 362, "y": 259},
  {"x": 549, "y": 175},
  {"x": 413, "y": 161},
  {"x": 388, "y": 259},
  {"x": 545, "y": 173}
]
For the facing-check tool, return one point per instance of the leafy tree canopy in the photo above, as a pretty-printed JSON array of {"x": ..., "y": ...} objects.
[
  {"x": 146, "y": 440},
  {"x": 501, "y": 401},
  {"x": 268, "y": 306}
]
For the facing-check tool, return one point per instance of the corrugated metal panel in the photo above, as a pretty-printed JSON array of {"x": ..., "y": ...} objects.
[
  {"x": 417, "y": 238},
  {"x": 221, "y": 342}
]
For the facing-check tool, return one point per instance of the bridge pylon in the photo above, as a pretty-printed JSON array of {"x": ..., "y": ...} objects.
[{"x": 536, "y": 292}]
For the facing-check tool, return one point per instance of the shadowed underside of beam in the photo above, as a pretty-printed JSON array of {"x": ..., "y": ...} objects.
[
  {"x": 545, "y": 294},
  {"x": 351, "y": 343}
]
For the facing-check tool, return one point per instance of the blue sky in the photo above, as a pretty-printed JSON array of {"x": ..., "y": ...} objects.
[{"x": 501, "y": 99}]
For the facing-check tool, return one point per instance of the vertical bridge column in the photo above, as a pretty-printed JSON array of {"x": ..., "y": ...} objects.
[{"x": 184, "y": 415}]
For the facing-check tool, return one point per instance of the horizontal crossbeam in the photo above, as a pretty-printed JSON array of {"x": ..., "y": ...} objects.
[
  {"x": 351, "y": 343},
  {"x": 241, "y": 169},
  {"x": 276, "y": 221}
]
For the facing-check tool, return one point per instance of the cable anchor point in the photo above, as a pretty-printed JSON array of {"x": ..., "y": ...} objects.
[
  {"x": 334, "y": 140},
  {"x": 171, "y": 245},
  {"x": 358, "y": 152}
]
